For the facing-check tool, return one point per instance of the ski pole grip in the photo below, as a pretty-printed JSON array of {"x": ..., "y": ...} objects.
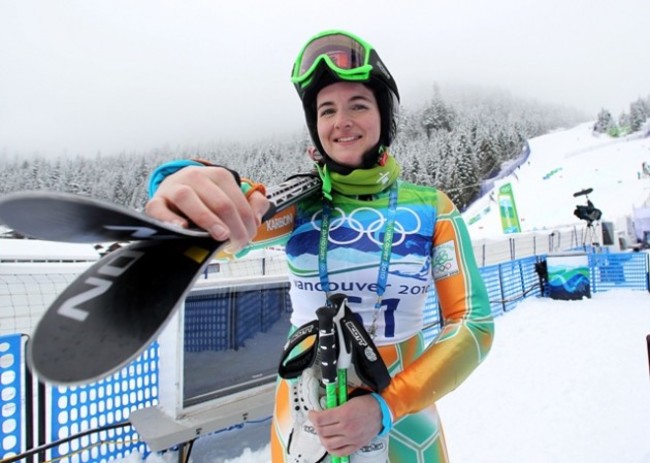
[{"x": 327, "y": 344}]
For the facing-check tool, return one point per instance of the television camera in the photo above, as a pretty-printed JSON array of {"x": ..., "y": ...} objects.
[{"x": 588, "y": 213}]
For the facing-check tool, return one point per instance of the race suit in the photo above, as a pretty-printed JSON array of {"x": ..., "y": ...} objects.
[{"x": 430, "y": 245}]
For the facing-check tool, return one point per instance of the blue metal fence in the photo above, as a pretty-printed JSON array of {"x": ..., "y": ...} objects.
[
  {"x": 510, "y": 282},
  {"x": 10, "y": 395},
  {"x": 225, "y": 319},
  {"x": 96, "y": 405},
  {"x": 618, "y": 270},
  {"x": 69, "y": 411}
]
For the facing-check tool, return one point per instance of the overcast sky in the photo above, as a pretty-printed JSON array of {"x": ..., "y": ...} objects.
[{"x": 82, "y": 76}]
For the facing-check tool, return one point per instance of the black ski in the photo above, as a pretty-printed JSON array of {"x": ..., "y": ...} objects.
[
  {"x": 108, "y": 315},
  {"x": 57, "y": 216}
]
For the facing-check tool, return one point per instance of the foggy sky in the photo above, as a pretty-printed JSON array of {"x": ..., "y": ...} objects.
[{"x": 88, "y": 76}]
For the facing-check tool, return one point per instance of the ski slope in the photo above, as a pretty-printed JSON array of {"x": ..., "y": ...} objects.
[
  {"x": 565, "y": 162},
  {"x": 566, "y": 381}
]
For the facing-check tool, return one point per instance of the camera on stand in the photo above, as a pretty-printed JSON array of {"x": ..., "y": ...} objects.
[{"x": 589, "y": 212}]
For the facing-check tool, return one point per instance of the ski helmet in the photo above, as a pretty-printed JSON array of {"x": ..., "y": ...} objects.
[{"x": 338, "y": 56}]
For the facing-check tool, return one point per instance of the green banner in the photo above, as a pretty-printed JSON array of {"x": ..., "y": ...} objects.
[{"x": 508, "y": 209}]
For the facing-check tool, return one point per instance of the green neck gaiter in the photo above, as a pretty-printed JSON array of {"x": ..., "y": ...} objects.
[{"x": 360, "y": 181}]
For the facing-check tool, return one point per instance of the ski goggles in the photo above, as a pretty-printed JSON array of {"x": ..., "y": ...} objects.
[{"x": 348, "y": 56}]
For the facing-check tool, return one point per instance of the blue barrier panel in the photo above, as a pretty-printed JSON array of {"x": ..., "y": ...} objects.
[
  {"x": 506, "y": 284},
  {"x": 492, "y": 278},
  {"x": 93, "y": 406},
  {"x": 273, "y": 306},
  {"x": 10, "y": 395},
  {"x": 248, "y": 316},
  {"x": 530, "y": 277},
  {"x": 618, "y": 270},
  {"x": 511, "y": 284},
  {"x": 207, "y": 322}
]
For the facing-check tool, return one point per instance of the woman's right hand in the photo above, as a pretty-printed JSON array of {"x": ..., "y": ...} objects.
[{"x": 209, "y": 198}]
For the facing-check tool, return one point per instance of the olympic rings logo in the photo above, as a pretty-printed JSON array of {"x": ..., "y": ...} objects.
[
  {"x": 443, "y": 267},
  {"x": 371, "y": 225},
  {"x": 443, "y": 261}
]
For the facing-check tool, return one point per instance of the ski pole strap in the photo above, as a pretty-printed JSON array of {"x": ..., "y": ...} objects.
[
  {"x": 368, "y": 364},
  {"x": 386, "y": 415},
  {"x": 291, "y": 367}
]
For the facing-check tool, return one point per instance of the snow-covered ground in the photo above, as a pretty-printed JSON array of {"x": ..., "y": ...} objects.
[
  {"x": 566, "y": 381},
  {"x": 563, "y": 163}
]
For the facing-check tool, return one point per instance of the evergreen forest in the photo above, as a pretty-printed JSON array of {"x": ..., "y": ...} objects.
[{"x": 453, "y": 142}]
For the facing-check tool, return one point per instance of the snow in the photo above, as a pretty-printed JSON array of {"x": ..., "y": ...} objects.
[
  {"x": 27, "y": 250},
  {"x": 566, "y": 381},
  {"x": 563, "y": 163}
]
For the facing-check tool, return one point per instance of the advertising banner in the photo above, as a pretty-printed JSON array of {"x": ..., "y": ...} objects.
[
  {"x": 568, "y": 276},
  {"x": 508, "y": 209}
]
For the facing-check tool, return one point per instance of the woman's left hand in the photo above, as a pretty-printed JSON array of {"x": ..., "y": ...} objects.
[{"x": 345, "y": 429}]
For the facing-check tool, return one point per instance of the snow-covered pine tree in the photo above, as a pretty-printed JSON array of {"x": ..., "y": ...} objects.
[
  {"x": 604, "y": 122},
  {"x": 638, "y": 115},
  {"x": 437, "y": 115}
]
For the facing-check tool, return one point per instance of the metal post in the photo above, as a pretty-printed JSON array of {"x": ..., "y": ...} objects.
[
  {"x": 29, "y": 404},
  {"x": 522, "y": 278},
  {"x": 42, "y": 421},
  {"x": 591, "y": 259},
  {"x": 503, "y": 298},
  {"x": 647, "y": 339},
  {"x": 647, "y": 273}
]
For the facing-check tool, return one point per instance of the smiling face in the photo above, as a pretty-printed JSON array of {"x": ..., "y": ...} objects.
[{"x": 348, "y": 121}]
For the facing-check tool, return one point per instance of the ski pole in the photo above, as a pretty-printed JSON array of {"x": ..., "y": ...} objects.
[
  {"x": 344, "y": 360},
  {"x": 328, "y": 358},
  {"x": 342, "y": 397}
]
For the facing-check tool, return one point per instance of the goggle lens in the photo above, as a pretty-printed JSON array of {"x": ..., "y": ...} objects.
[{"x": 338, "y": 50}]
